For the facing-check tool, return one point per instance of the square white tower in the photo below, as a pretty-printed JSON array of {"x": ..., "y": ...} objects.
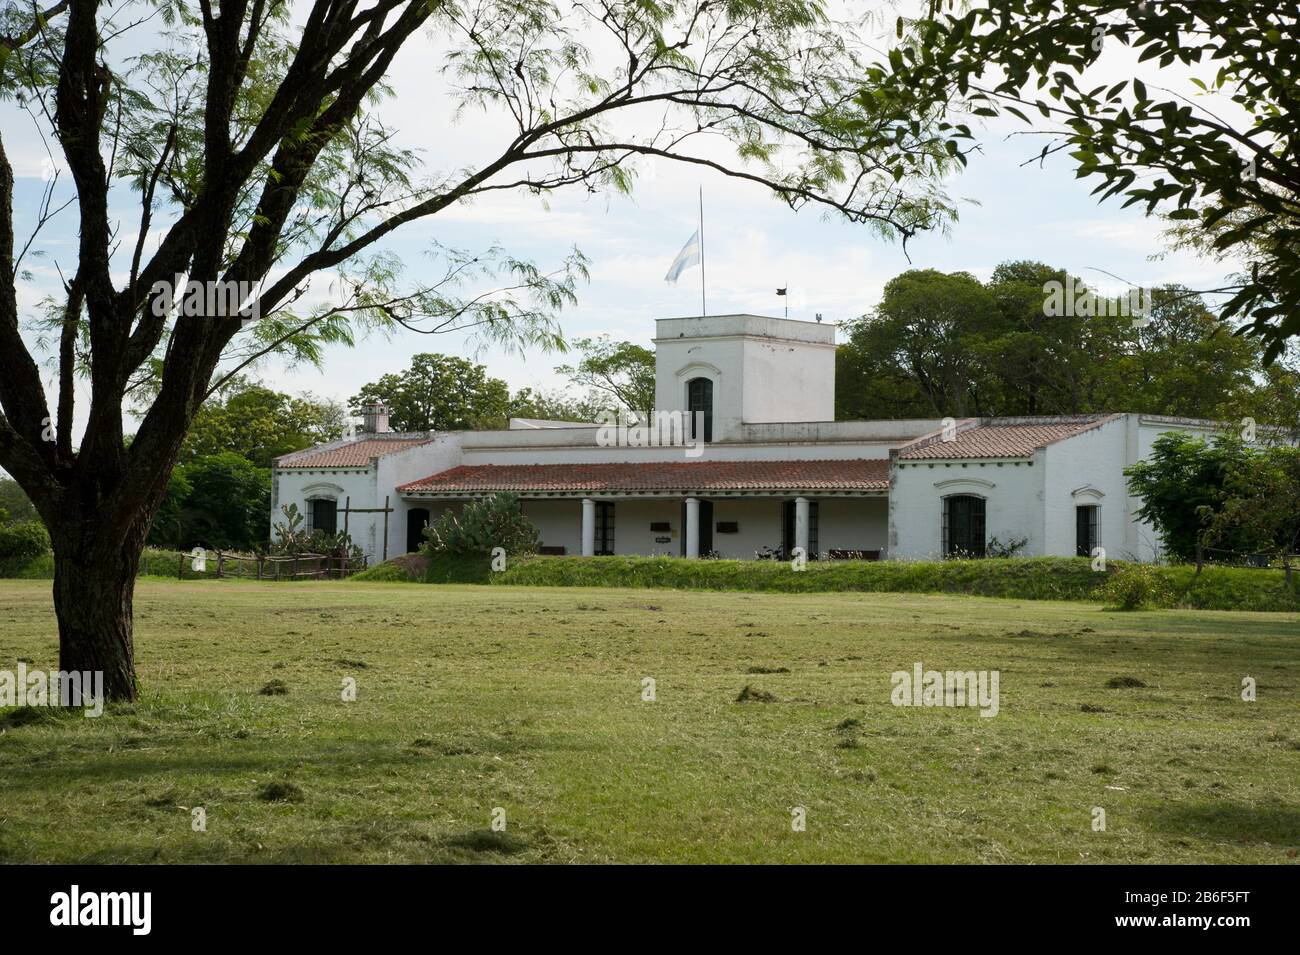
[{"x": 750, "y": 369}]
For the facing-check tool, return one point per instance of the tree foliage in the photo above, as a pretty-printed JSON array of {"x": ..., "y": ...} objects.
[
  {"x": 617, "y": 376},
  {"x": 552, "y": 405},
  {"x": 941, "y": 345},
  {"x": 219, "y": 500},
  {"x": 1225, "y": 495},
  {"x": 1236, "y": 180},
  {"x": 260, "y": 424},
  {"x": 438, "y": 393}
]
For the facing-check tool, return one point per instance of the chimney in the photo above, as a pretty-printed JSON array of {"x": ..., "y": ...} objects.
[{"x": 374, "y": 419}]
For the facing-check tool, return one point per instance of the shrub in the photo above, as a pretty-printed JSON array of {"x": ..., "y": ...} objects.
[
  {"x": 1013, "y": 546},
  {"x": 290, "y": 540},
  {"x": 494, "y": 521},
  {"x": 1134, "y": 586},
  {"x": 24, "y": 541}
]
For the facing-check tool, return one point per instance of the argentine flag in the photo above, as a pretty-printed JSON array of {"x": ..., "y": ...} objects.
[{"x": 688, "y": 256}]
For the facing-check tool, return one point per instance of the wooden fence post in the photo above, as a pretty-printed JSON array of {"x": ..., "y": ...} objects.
[
  {"x": 1200, "y": 557},
  {"x": 180, "y": 567}
]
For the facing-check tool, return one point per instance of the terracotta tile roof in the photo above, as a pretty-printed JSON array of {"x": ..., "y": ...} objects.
[
  {"x": 356, "y": 454},
  {"x": 846, "y": 475},
  {"x": 1001, "y": 437}
]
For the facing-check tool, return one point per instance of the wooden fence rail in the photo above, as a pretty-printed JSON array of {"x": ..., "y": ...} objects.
[{"x": 298, "y": 567}]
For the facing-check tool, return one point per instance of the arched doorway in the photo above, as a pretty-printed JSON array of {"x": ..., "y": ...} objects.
[{"x": 416, "y": 520}]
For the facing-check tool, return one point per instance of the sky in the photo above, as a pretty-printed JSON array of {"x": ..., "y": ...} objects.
[{"x": 753, "y": 243}]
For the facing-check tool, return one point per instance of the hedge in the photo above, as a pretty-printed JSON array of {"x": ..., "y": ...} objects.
[{"x": 1019, "y": 578}]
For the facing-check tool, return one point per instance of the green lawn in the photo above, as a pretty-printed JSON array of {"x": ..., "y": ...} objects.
[{"x": 471, "y": 698}]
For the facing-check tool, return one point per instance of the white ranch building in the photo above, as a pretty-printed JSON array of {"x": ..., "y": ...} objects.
[{"x": 774, "y": 469}]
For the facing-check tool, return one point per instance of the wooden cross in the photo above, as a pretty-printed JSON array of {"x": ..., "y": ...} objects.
[{"x": 385, "y": 510}]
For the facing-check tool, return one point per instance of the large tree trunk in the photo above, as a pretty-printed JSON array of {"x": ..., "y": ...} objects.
[{"x": 94, "y": 585}]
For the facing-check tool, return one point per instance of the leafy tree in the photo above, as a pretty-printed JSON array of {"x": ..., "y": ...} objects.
[
  {"x": 254, "y": 141},
  {"x": 1274, "y": 398},
  {"x": 945, "y": 345},
  {"x": 1049, "y": 364},
  {"x": 551, "y": 406},
  {"x": 228, "y": 504},
  {"x": 23, "y": 540},
  {"x": 1182, "y": 475},
  {"x": 261, "y": 424},
  {"x": 920, "y": 346},
  {"x": 1258, "y": 512},
  {"x": 439, "y": 393},
  {"x": 1239, "y": 181},
  {"x": 1186, "y": 362},
  {"x": 617, "y": 375},
  {"x": 1224, "y": 495}
]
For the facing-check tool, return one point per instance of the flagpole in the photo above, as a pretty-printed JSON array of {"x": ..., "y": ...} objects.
[{"x": 704, "y": 309}]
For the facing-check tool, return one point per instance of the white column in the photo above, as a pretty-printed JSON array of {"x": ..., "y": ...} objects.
[
  {"x": 801, "y": 524},
  {"x": 692, "y": 527},
  {"x": 588, "y": 527}
]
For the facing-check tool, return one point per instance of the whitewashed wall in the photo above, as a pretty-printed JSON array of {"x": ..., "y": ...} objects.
[
  {"x": 1039, "y": 502},
  {"x": 402, "y": 467},
  {"x": 1013, "y": 493},
  {"x": 559, "y": 522},
  {"x": 1142, "y": 430},
  {"x": 788, "y": 381},
  {"x": 853, "y": 524},
  {"x": 758, "y": 523},
  {"x": 338, "y": 484},
  {"x": 632, "y": 534},
  {"x": 1088, "y": 469}
]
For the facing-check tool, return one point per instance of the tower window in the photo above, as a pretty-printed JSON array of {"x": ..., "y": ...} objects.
[{"x": 699, "y": 400}]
